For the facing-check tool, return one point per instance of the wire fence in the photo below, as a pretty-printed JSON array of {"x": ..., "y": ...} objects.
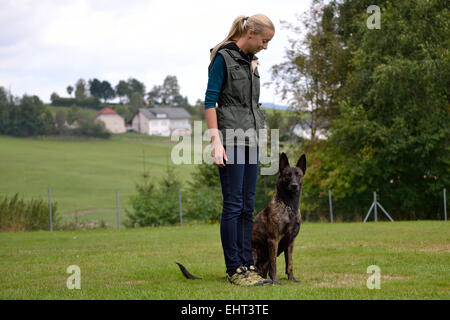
[{"x": 373, "y": 208}]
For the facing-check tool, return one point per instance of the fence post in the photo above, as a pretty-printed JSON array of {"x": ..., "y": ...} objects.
[
  {"x": 50, "y": 209},
  {"x": 331, "y": 206},
  {"x": 375, "y": 208},
  {"x": 181, "y": 209},
  {"x": 118, "y": 210},
  {"x": 445, "y": 206}
]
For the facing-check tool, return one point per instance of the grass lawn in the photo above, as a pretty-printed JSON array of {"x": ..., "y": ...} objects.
[
  {"x": 83, "y": 175},
  {"x": 330, "y": 260}
]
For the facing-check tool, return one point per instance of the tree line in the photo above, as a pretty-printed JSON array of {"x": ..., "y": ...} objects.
[
  {"x": 381, "y": 96},
  {"x": 132, "y": 95},
  {"x": 28, "y": 116},
  {"x": 126, "y": 90}
]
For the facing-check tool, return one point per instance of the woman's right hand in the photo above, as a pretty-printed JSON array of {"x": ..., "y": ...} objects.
[{"x": 218, "y": 154}]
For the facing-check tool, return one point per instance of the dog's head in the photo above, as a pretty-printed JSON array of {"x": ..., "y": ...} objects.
[{"x": 292, "y": 177}]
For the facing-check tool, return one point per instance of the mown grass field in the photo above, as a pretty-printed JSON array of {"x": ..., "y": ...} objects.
[
  {"x": 330, "y": 260},
  {"x": 83, "y": 174}
]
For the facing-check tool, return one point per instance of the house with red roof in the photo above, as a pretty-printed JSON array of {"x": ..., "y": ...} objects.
[{"x": 113, "y": 122}]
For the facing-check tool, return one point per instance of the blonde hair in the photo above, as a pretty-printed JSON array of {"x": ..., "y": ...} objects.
[{"x": 240, "y": 26}]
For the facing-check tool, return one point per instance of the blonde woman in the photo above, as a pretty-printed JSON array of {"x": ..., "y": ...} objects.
[{"x": 234, "y": 85}]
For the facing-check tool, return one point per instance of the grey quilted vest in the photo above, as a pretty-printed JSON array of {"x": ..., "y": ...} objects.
[{"x": 238, "y": 105}]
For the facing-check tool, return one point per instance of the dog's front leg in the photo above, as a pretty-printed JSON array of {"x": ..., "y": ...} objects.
[
  {"x": 273, "y": 248},
  {"x": 288, "y": 258}
]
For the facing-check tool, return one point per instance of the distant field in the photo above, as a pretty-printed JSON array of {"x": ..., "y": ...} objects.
[
  {"x": 88, "y": 111},
  {"x": 330, "y": 260},
  {"x": 83, "y": 174}
]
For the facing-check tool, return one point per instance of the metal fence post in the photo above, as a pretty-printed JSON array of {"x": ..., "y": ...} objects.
[
  {"x": 50, "y": 209},
  {"x": 181, "y": 209},
  {"x": 331, "y": 206},
  {"x": 375, "y": 208},
  {"x": 118, "y": 210},
  {"x": 445, "y": 206}
]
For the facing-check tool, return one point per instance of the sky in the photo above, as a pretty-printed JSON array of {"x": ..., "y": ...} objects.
[{"x": 46, "y": 45}]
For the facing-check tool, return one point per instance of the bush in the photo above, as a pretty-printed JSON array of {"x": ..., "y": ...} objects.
[
  {"x": 19, "y": 215},
  {"x": 201, "y": 201},
  {"x": 204, "y": 195},
  {"x": 155, "y": 206},
  {"x": 90, "y": 102},
  {"x": 24, "y": 117},
  {"x": 90, "y": 128},
  {"x": 203, "y": 204}
]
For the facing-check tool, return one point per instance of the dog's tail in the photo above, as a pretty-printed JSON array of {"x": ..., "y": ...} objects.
[{"x": 186, "y": 273}]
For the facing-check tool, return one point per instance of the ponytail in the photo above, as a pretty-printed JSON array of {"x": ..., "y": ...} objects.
[
  {"x": 240, "y": 26},
  {"x": 237, "y": 29}
]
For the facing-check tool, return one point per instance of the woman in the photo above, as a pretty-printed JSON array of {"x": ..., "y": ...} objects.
[{"x": 234, "y": 85}]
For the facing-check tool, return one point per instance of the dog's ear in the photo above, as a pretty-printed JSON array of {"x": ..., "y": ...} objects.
[
  {"x": 284, "y": 162},
  {"x": 301, "y": 163}
]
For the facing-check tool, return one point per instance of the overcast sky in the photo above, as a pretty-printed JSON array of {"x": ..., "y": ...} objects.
[{"x": 46, "y": 45}]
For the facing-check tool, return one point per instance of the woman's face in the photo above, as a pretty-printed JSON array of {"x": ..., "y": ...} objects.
[{"x": 257, "y": 42}]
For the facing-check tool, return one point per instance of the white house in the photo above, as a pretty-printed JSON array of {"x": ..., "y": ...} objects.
[
  {"x": 114, "y": 122},
  {"x": 162, "y": 121},
  {"x": 303, "y": 129}
]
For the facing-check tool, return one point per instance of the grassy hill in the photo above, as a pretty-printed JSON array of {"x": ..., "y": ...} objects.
[
  {"x": 330, "y": 261},
  {"x": 84, "y": 174}
]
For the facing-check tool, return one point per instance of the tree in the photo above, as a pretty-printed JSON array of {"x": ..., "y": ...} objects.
[
  {"x": 122, "y": 90},
  {"x": 54, "y": 96},
  {"x": 200, "y": 109},
  {"x": 135, "y": 85},
  {"x": 136, "y": 102},
  {"x": 101, "y": 89},
  {"x": 204, "y": 196},
  {"x": 29, "y": 117},
  {"x": 170, "y": 90},
  {"x": 155, "y": 205},
  {"x": 74, "y": 114},
  {"x": 6, "y": 105},
  {"x": 107, "y": 91},
  {"x": 312, "y": 73},
  {"x": 69, "y": 90},
  {"x": 390, "y": 133},
  {"x": 60, "y": 119},
  {"x": 154, "y": 96},
  {"x": 127, "y": 88},
  {"x": 95, "y": 88},
  {"x": 80, "y": 89},
  {"x": 168, "y": 94}
]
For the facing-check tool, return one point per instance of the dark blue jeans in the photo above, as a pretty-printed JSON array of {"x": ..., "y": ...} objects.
[{"x": 238, "y": 180}]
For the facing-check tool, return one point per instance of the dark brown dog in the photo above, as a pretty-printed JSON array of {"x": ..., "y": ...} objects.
[{"x": 275, "y": 227}]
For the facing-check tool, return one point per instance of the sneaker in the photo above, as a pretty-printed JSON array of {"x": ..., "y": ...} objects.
[
  {"x": 241, "y": 278},
  {"x": 253, "y": 274}
]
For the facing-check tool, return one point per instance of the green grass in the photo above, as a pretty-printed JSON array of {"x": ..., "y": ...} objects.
[
  {"x": 83, "y": 174},
  {"x": 330, "y": 260},
  {"x": 54, "y": 109}
]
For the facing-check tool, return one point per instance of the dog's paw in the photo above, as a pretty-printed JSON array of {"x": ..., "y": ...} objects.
[{"x": 291, "y": 278}]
